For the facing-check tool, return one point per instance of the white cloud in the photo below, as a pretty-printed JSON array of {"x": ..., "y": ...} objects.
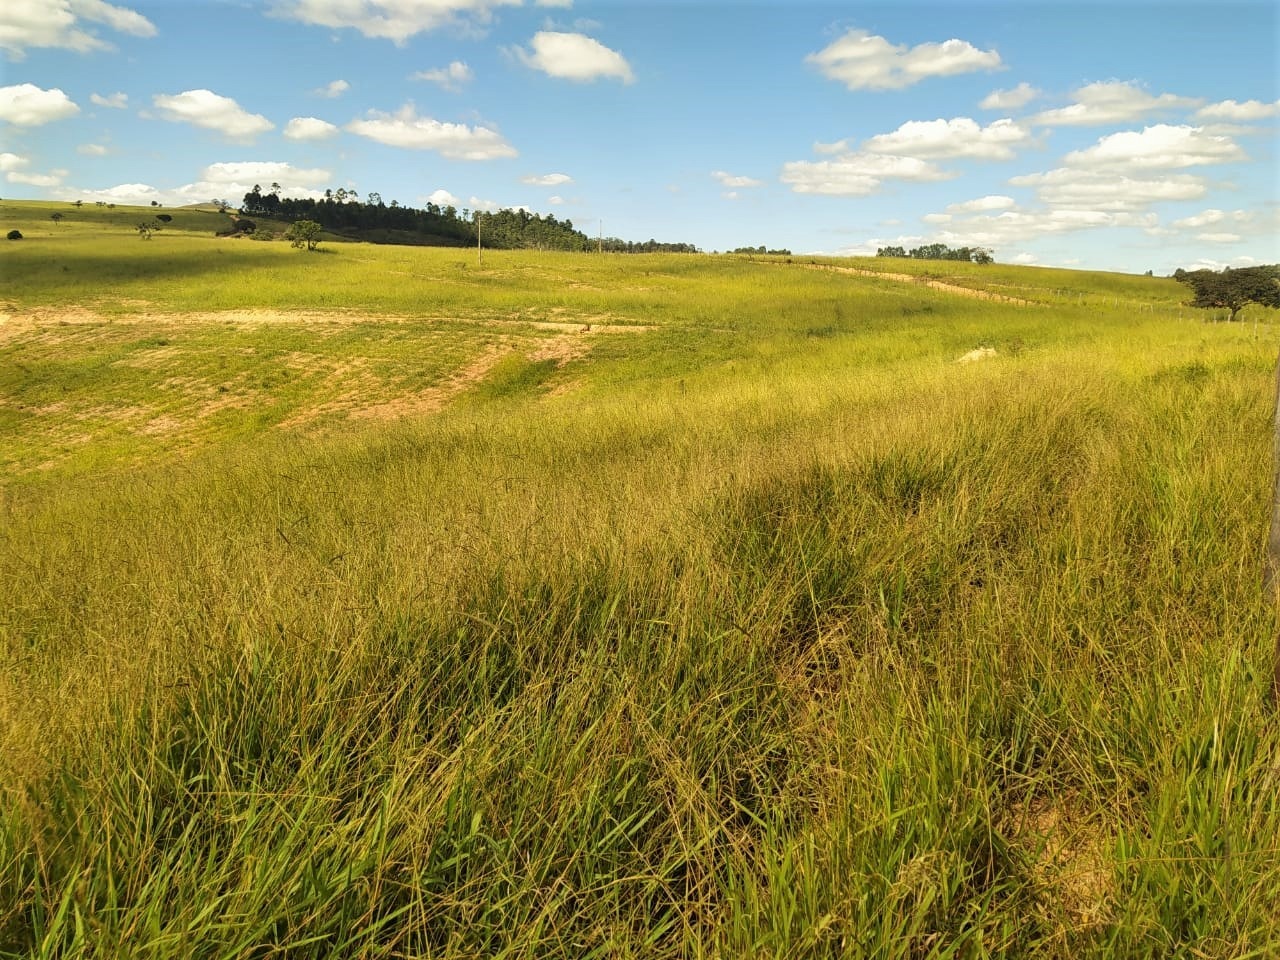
[
  {"x": 961, "y": 137},
  {"x": 574, "y": 56},
  {"x": 1111, "y": 101},
  {"x": 443, "y": 198},
  {"x": 856, "y": 174},
  {"x": 827, "y": 149},
  {"x": 456, "y": 141},
  {"x": 1219, "y": 237},
  {"x": 53, "y": 178},
  {"x": 91, "y": 150},
  {"x": 1230, "y": 110},
  {"x": 309, "y": 128},
  {"x": 62, "y": 24},
  {"x": 202, "y": 191},
  {"x": 937, "y": 218},
  {"x": 1108, "y": 190},
  {"x": 115, "y": 101},
  {"x": 492, "y": 206},
  {"x": 10, "y": 162},
  {"x": 332, "y": 89},
  {"x": 397, "y": 20},
  {"x": 1023, "y": 259},
  {"x": 983, "y": 204},
  {"x": 565, "y": 4},
  {"x": 547, "y": 180},
  {"x": 263, "y": 172},
  {"x": 729, "y": 180},
  {"x": 1212, "y": 216},
  {"x": 1019, "y": 226},
  {"x": 862, "y": 61},
  {"x": 730, "y": 194},
  {"x": 204, "y": 108},
  {"x": 27, "y": 105},
  {"x": 1160, "y": 147},
  {"x": 1019, "y": 96},
  {"x": 555, "y": 201},
  {"x": 449, "y": 78}
]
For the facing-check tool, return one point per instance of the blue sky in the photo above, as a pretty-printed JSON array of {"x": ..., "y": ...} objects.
[{"x": 1126, "y": 136}]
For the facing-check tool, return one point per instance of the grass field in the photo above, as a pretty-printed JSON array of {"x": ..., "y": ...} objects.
[{"x": 371, "y": 603}]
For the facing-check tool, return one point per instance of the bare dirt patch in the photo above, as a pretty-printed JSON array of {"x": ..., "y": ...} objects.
[{"x": 930, "y": 282}]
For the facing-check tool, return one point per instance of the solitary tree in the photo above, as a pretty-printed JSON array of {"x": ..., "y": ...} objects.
[
  {"x": 56, "y": 218},
  {"x": 304, "y": 233},
  {"x": 1232, "y": 289},
  {"x": 146, "y": 228}
]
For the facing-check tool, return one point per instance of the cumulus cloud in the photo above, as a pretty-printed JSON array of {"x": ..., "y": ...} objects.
[
  {"x": 201, "y": 191},
  {"x": 547, "y": 180},
  {"x": 114, "y": 101},
  {"x": 1108, "y": 190},
  {"x": 735, "y": 182},
  {"x": 309, "y": 128},
  {"x": 960, "y": 137},
  {"x": 856, "y": 174},
  {"x": 574, "y": 56},
  {"x": 91, "y": 150},
  {"x": 1219, "y": 237},
  {"x": 1160, "y": 147},
  {"x": 863, "y": 61},
  {"x": 26, "y": 105},
  {"x": 1111, "y": 101},
  {"x": 332, "y": 89},
  {"x": 1019, "y": 96},
  {"x": 982, "y": 205},
  {"x": 10, "y": 162},
  {"x": 1231, "y": 110},
  {"x": 827, "y": 149},
  {"x": 204, "y": 108},
  {"x": 457, "y": 141},
  {"x": 1018, "y": 226},
  {"x": 443, "y": 198},
  {"x": 53, "y": 178},
  {"x": 263, "y": 171},
  {"x": 555, "y": 201},
  {"x": 65, "y": 24},
  {"x": 449, "y": 78},
  {"x": 397, "y": 20},
  {"x": 1209, "y": 217}
]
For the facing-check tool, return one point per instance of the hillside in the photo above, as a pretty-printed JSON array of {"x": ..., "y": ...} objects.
[{"x": 373, "y": 602}]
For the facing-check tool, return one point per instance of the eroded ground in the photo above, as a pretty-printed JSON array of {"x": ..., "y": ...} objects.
[{"x": 79, "y": 385}]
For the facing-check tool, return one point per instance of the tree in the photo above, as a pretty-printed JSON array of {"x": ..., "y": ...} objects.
[
  {"x": 982, "y": 256},
  {"x": 56, "y": 218},
  {"x": 1232, "y": 289},
  {"x": 304, "y": 233},
  {"x": 15, "y": 235},
  {"x": 146, "y": 228},
  {"x": 77, "y": 203}
]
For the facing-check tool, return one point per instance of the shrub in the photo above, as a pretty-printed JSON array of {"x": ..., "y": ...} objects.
[
  {"x": 15, "y": 235},
  {"x": 163, "y": 217}
]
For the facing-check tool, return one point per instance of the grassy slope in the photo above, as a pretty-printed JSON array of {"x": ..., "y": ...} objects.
[{"x": 780, "y": 634}]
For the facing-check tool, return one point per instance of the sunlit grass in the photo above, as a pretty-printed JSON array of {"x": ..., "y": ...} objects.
[{"x": 768, "y": 631}]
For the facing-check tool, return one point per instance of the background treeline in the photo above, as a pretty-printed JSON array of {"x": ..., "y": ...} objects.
[
  {"x": 939, "y": 251},
  {"x": 341, "y": 211}
]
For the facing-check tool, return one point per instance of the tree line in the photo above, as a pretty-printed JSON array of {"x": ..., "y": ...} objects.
[
  {"x": 939, "y": 251},
  {"x": 342, "y": 211}
]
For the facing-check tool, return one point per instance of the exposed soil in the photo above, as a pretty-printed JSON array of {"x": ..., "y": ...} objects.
[{"x": 919, "y": 281}]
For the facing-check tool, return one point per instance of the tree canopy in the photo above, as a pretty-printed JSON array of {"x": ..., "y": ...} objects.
[
  {"x": 939, "y": 251},
  {"x": 342, "y": 212},
  {"x": 1232, "y": 289}
]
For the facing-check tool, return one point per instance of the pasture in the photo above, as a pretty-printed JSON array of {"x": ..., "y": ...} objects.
[{"x": 374, "y": 603}]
